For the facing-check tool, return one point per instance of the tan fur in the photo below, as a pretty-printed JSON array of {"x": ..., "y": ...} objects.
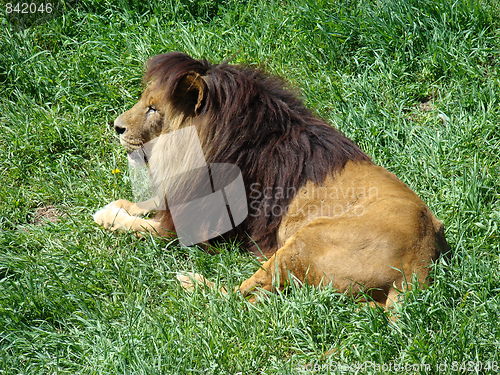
[{"x": 362, "y": 229}]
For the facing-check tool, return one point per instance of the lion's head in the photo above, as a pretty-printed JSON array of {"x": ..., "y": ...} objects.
[
  {"x": 167, "y": 101},
  {"x": 141, "y": 123},
  {"x": 243, "y": 117}
]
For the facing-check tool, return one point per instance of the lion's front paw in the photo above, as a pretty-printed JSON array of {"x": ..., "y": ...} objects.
[
  {"x": 132, "y": 208},
  {"x": 122, "y": 203},
  {"x": 113, "y": 218}
]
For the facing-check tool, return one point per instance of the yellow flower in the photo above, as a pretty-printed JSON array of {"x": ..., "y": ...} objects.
[{"x": 116, "y": 171}]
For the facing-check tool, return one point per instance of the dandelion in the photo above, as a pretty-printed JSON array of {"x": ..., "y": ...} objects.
[{"x": 116, "y": 171}]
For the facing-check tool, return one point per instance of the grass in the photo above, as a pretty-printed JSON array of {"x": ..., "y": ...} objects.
[{"x": 414, "y": 83}]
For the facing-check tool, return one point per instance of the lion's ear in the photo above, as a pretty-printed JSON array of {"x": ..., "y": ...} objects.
[{"x": 190, "y": 93}]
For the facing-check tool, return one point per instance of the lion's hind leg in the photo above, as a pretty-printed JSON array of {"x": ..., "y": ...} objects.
[
  {"x": 344, "y": 253},
  {"x": 275, "y": 272},
  {"x": 338, "y": 252},
  {"x": 190, "y": 280}
]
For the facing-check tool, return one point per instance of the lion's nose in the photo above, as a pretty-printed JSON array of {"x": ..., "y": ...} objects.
[{"x": 119, "y": 129}]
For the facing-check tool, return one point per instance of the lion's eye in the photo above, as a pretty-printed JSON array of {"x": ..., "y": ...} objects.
[{"x": 151, "y": 109}]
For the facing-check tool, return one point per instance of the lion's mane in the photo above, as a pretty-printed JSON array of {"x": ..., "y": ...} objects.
[{"x": 256, "y": 122}]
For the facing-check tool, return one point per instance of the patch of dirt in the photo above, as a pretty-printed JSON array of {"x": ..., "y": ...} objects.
[
  {"x": 46, "y": 214},
  {"x": 426, "y": 106},
  {"x": 421, "y": 110}
]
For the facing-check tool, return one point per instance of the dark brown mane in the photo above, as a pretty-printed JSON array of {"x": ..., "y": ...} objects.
[{"x": 252, "y": 120}]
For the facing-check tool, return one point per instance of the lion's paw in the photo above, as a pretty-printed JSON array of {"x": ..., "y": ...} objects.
[
  {"x": 132, "y": 208},
  {"x": 121, "y": 203},
  {"x": 113, "y": 218},
  {"x": 189, "y": 280}
]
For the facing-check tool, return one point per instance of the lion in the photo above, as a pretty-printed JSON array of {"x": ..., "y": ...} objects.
[{"x": 321, "y": 211}]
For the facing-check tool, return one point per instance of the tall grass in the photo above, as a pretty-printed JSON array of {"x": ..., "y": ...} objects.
[{"x": 414, "y": 83}]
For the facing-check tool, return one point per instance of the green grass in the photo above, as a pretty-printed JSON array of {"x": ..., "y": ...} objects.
[{"x": 77, "y": 299}]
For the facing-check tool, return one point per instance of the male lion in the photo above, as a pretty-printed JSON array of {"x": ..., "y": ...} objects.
[{"x": 318, "y": 206}]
